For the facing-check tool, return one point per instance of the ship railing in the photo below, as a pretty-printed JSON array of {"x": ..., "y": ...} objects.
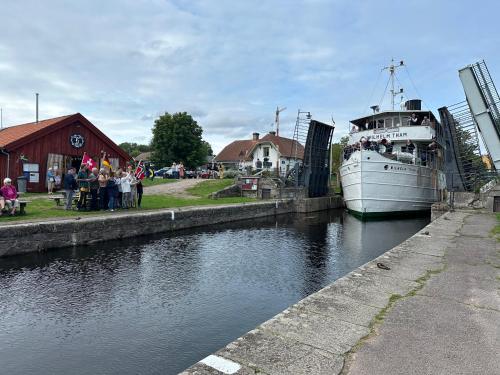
[{"x": 420, "y": 157}]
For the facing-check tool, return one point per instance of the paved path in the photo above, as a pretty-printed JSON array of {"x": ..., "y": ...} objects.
[
  {"x": 451, "y": 325},
  {"x": 177, "y": 188},
  {"x": 436, "y": 311}
]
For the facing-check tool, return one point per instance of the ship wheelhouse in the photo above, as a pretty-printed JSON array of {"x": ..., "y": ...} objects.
[{"x": 411, "y": 136}]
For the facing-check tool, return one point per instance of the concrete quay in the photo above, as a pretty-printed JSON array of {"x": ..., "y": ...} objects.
[
  {"x": 26, "y": 237},
  {"x": 436, "y": 311}
]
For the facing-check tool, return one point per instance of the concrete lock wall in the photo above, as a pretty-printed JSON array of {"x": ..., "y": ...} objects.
[{"x": 38, "y": 236}]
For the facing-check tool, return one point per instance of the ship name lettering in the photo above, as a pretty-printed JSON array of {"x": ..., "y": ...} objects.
[{"x": 389, "y": 135}]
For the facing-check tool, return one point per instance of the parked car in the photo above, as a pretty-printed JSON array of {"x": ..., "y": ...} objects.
[
  {"x": 189, "y": 174},
  {"x": 207, "y": 173},
  {"x": 165, "y": 172}
]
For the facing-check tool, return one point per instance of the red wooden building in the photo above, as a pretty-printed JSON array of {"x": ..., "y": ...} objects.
[{"x": 59, "y": 143}]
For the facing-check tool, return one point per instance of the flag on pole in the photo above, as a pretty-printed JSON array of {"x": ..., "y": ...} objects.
[
  {"x": 149, "y": 172},
  {"x": 105, "y": 162},
  {"x": 88, "y": 161},
  {"x": 140, "y": 171}
]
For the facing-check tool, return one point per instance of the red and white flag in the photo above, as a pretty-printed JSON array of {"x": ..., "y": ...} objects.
[
  {"x": 87, "y": 160},
  {"x": 140, "y": 171}
]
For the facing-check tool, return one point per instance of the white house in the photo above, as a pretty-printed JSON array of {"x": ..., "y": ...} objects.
[{"x": 270, "y": 151}]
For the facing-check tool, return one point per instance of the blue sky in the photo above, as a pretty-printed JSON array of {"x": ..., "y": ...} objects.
[{"x": 231, "y": 62}]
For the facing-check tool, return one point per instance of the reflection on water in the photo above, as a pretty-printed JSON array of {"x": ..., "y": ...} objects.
[{"x": 158, "y": 305}]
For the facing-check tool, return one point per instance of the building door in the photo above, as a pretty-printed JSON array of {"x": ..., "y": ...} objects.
[
  {"x": 496, "y": 204},
  {"x": 75, "y": 162}
]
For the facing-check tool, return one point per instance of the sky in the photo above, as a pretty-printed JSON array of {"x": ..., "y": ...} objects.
[{"x": 229, "y": 63}]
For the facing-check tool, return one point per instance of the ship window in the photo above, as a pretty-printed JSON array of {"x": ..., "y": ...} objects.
[
  {"x": 380, "y": 123},
  {"x": 388, "y": 122}
]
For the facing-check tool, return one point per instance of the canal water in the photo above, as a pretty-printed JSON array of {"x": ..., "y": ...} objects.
[{"x": 158, "y": 305}]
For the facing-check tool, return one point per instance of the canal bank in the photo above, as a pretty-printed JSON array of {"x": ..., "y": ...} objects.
[
  {"x": 436, "y": 310},
  {"x": 20, "y": 238}
]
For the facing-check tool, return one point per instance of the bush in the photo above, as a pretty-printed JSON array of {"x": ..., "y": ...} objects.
[{"x": 232, "y": 173}]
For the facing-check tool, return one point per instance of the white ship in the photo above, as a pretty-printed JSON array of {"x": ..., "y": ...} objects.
[{"x": 393, "y": 162}]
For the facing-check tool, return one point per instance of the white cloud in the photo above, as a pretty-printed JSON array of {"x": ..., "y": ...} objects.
[{"x": 228, "y": 63}]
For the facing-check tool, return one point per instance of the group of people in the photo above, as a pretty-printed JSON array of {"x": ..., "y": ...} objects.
[
  {"x": 414, "y": 120},
  {"x": 103, "y": 189},
  {"x": 178, "y": 170},
  {"x": 8, "y": 198}
]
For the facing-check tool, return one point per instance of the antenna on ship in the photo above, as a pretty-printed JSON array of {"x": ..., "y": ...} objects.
[{"x": 392, "y": 71}]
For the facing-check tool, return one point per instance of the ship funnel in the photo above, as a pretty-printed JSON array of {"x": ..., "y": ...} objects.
[{"x": 413, "y": 105}]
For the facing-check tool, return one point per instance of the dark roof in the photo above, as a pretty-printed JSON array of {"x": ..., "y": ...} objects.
[
  {"x": 236, "y": 151},
  {"x": 242, "y": 149},
  {"x": 288, "y": 148},
  {"x": 143, "y": 156}
]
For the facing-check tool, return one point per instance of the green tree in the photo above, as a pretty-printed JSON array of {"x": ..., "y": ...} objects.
[
  {"x": 178, "y": 138},
  {"x": 337, "y": 149}
]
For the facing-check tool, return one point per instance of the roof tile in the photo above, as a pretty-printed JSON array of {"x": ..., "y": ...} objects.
[
  {"x": 240, "y": 149},
  {"x": 14, "y": 133}
]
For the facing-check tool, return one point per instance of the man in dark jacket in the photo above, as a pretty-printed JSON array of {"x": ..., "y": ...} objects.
[{"x": 70, "y": 186}]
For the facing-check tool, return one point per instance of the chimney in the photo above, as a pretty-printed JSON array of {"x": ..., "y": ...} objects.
[
  {"x": 36, "y": 108},
  {"x": 272, "y": 132},
  {"x": 255, "y": 136}
]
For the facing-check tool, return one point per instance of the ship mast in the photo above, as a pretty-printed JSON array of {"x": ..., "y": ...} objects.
[{"x": 392, "y": 72}]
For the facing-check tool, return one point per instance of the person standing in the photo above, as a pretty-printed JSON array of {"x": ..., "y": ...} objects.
[
  {"x": 69, "y": 185},
  {"x": 126, "y": 190},
  {"x": 112, "y": 190},
  {"x": 410, "y": 147},
  {"x": 413, "y": 120},
  {"x": 119, "y": 191},
  {"x": 94, "y": 188},
  {"x": 175, "y": 170},
  {"x": 103, "y": 193},
  {"x": 51, "y": 180},
  {"x": 181, "y": 170},
  {"x": 140, "y": 190},
  {"x": 83, "y": 184},
  {"x": 221, "y": 171}
]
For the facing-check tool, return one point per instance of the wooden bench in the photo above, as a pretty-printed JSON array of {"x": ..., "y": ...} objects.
[
  {"x": 57, "y": 199},
  {"x": 22, "y": 206}
]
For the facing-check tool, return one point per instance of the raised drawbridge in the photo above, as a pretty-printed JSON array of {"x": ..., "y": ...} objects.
[
  {"x": 311, "y": 151},
  {"x": 468, "y": 123}
]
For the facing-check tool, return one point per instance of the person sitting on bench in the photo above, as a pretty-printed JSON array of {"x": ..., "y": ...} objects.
[{"x": 9, "y": 194}]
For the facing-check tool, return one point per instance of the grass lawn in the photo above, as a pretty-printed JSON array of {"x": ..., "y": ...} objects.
[
  {"x": 203, "y": 189},
  {"x": 43, "y": 208}
]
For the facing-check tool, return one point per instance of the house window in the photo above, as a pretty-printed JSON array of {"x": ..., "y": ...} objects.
[{"x": 266, "y": 151}]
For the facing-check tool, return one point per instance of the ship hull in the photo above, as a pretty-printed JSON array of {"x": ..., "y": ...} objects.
[{"x": 375, "y": 186}]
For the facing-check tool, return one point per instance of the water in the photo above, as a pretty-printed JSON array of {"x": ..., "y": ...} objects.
[{"x": 158, "y": 305}]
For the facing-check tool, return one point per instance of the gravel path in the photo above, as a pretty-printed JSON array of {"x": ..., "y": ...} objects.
[{"x": 177, "y": 189}]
